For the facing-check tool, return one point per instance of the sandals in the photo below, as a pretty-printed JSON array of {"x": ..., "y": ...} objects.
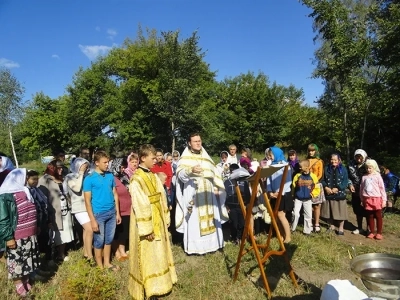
[
  {"x": 122, "y": 258},
  {"x": 317, "y": 228}
]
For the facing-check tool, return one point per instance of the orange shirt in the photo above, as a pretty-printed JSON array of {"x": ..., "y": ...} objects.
[{"x": 317, "y": 167}]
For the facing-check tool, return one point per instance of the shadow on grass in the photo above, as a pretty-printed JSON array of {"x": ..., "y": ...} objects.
[{"x": 275, "y": 269}]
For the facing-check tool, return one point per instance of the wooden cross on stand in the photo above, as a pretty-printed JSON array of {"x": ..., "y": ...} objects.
[{"x": 262, "y": 251}]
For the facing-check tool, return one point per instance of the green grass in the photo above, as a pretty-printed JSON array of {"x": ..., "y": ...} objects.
[{"x": 315, "y": 259}]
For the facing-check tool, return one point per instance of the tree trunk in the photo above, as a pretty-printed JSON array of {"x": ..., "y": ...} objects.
[
  {"x": 173, "y": 136},
  {"x": 346, "y": 132},
  {"x": 12, "y": 147},
  {"x": 365, "y": 124}
]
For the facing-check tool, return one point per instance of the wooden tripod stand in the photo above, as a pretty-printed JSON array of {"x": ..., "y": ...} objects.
[{"x": 261, "y": 251}]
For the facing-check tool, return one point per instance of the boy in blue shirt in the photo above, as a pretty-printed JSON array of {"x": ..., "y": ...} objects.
[
  {"x": 306, "y": 187},
  {"x": 102, "y": 205}
]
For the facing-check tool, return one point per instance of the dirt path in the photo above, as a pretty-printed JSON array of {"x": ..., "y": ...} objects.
[
  {"x": 390, "y": 238},
  {"x": 390, "y": 242}
]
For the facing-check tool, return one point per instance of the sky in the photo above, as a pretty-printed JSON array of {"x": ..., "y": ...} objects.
[{"x": 45, "y": 42}]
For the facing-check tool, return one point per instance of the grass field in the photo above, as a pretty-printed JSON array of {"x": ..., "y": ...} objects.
[{"x": 315, "y": 259}]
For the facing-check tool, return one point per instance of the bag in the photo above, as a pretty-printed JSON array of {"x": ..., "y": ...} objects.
[{"x": 321, "y": 196}]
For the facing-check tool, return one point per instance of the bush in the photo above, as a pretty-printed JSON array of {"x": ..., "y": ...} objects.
[{"x": 85, "y": 282}]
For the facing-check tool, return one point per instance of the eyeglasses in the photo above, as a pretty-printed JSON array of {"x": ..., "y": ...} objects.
[{"x": 85, "y": 153}]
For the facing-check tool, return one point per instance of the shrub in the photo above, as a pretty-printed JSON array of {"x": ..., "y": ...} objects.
[{"x": 85, "y": 282}]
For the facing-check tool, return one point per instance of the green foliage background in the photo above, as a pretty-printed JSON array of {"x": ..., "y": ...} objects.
[{"x": 159, "y": 86}]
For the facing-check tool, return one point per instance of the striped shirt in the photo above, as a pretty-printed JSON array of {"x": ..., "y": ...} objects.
[{"x": 27, "y": 216}]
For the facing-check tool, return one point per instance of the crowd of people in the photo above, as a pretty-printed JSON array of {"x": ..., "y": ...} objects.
[{"x": 125, "y": 207}]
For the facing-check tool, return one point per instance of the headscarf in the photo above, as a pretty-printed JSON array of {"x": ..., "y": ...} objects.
[
  {"x": 316, "y": 155},
  {"x": 75, "y": 166},
  {"x": 174, "y": 163},
  {"x": 279, "y": 157},
  {"x": 293, "y": 163},
  {"x": 15, "y": 182},
  {"x": 220, "y": 155},
  {"x": 116, "y": 166},
  {"x": 175, "y": 152},
  {"x": 6, "y": 164},
  {"x": 166, "y": 155},
  {"x": 51, "y": 170},
  {"x": 362, "y": 153},
  {"x": 340, "y": 165},
  {"x": 128, "y": 171}
]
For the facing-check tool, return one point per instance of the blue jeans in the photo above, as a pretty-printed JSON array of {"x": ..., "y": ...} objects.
[{"x": 107, "y": 223}]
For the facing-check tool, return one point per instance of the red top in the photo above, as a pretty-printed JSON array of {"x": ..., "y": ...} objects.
[
  {"x": 164, "y": 167},
  {"x": 125, "y": 200}
]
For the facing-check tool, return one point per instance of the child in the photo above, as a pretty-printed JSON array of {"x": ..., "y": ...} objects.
[
  {"x": 293, "y": 162},
  {"x": 236, "y": 218},
  {"x": 151, "y": 270},
  {"x": 317, "y": 168},
  {"x": 223, "y": 165},
  {"x": 102, "y": 206},
  {"x": 163, "y": 178},
  {"x": 391, "y": 182},
  {"x": 373, "y": 197},
  {"x": 43, "y": 221},
  {"x": 305, "y": 186}
]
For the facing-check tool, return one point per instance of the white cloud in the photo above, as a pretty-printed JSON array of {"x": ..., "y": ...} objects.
[
  {"x": 55, "y": 56},
  {"x": 92, "y": 52},
  {"x": 4, "y": 62},
  {"x": 111, "y": 33},
  {"x": 97, "y": 28}
]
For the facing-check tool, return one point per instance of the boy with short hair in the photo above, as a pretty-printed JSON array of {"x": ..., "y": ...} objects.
[
  {"x": 151, "y": 271},
  {"x": 306, "y": 187},
  {"x": 102, "y": 205}
]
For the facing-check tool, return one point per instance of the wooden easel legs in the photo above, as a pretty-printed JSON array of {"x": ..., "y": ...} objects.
[{"x": 259, "y": 248}]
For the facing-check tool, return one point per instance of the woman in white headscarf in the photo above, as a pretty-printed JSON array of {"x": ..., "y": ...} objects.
[
  {"x": 73, "y": 186},
  {"x": 6, "y": 166},
  {"x": 18, "y": 228}
]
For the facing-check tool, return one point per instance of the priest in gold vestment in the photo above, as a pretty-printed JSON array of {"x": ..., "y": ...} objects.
[
  {"x": 200, "y": 208},
  {"x": 151, "y": 266}
]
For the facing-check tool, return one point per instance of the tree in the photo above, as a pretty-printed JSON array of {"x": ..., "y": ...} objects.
[
  {"x": 341, "y": 59},
  {"x": 11, "y": 93},
  {"x": 252, "y": 110},
  {"x": 44, "y": 126}
]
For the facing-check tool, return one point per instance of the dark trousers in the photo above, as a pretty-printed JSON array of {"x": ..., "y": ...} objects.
[
  {"x": 43, "y": 241},
  {"x": 358, "y": 209},
  {"x": 236, "y": 222}
]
